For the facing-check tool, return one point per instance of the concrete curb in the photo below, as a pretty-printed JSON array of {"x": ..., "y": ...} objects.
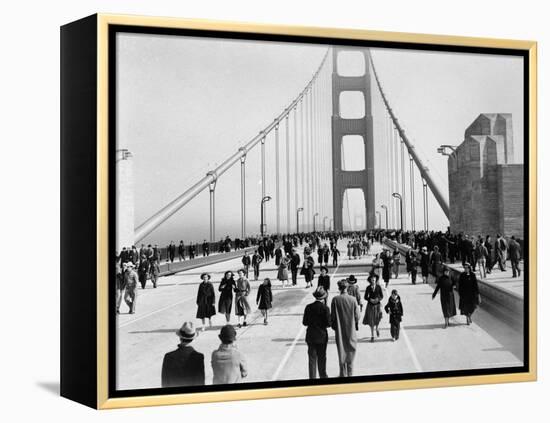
[{"x": 501, "y": 303}]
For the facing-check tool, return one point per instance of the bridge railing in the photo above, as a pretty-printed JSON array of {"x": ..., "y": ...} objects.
[{"x": 502, "y": 303}]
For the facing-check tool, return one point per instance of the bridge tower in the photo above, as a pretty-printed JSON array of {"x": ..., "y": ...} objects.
[{"x": 341, "y": 127}]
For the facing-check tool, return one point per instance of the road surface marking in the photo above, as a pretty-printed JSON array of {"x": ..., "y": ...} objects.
[
  {"x": 154, "y": 312},
  {"x": 411, "y": 351},
  {"x": 293, "y": 345}
]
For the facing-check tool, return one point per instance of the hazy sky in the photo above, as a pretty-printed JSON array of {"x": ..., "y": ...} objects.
[{"x": 185, "y": 104}]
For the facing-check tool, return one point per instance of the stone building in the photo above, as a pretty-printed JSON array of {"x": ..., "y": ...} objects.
[
  {"x": 124, "y": 199},
  {"x": 486, "y": 194}
]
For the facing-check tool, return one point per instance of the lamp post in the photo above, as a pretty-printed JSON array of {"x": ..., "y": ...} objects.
[
  {"x": 443, "y": 149},
  {"x": 314, "y": 216},
  {"x": 324, "y": 223},
  {"x": 264, "y": 200},
  {"x": 379, "y": 219},
  {"x": 300, "y": 209},
  {"x": 398, "y": 196},
  {"x": 385, "y": 208}
]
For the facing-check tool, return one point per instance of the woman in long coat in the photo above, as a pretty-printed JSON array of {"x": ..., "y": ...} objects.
[
  {"x": 386, "y": 266},
  {"x": 468, "y": 292},
  {"x": 206, "y": 298},
  {"x": 242, "y": 289},
  {"x": 326, "y": 253},
  {"x": 307, "y": 269},
  {"x": 226, "y": 288},
  {"x": 424, "y": 264},
  {"x": 374, "y": 296},
  {"x": 396, "y": 257},
  {"x": 446, "y": 295},
  {"x": 320, "y": 256},
  {"x": 376, "y": 264},
  {"x": 282, "y": 273},
  {"x": 264, "y": 298}
]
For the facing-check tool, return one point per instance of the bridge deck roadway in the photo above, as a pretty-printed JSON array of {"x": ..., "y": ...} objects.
[{"x": 278, "y": 351}]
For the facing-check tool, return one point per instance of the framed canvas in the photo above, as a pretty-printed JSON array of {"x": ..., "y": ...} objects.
[{"x": 257, "y": 211}]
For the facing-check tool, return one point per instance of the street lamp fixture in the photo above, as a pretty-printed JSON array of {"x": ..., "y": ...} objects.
[
  {"x": 398, "y": 196},
  {"x": 314, "y": 216},
  {"x": 264, "y": 200},
  {"x": 444, "y": 149},
  {"x": 298, "y": 210},
  {"x": 385, "y": 208}
]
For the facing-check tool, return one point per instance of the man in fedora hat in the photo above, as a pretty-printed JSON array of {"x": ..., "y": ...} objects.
[
  {"x": 353, "y": 290},
  {"x": 120, "y": 284},
  {"x": 184, "y": 366},
  {"x": 345, "y": 323},
  {"x": 130, "y": 282},
  {"x": 228, "y": 363},
  {"x": 317, "y": 320},
  {"x": 294, "y": 264}
]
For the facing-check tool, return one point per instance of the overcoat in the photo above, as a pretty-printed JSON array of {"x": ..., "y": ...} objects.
[
  {"x": 468, "y": 292},
  {"x": 242, "y": 289},
  {"x": 446, "y": 295},
  {"x": 264, "y": 297},
  {"x": 278, "y": 255},
  {"x": 324, "y": 281},
  {"x": 395, "y": 309},
  {"x": 514, "y": 250},
  {"x": 374, "y": 297},
  {"x": 226, "y": 288},
  {"x": 282, "y": 273},
  {"x": 424, "y": 264},
  {"x": 344, "y": 317},
  {"x": 182, "y": 367},
  {"x": 353, "y": 290},
  {"x": 386, "y": 269},
  {"x": 436, "y": 267},
  {"x": 307, "y": 269},
  {"x": 206, "y": 298},
  {"x": 317, "y": 319},
  {"x": 294, "y": 261}
]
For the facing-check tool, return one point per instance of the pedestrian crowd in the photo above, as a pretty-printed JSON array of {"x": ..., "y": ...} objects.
[{"x": 427, "y": 252}]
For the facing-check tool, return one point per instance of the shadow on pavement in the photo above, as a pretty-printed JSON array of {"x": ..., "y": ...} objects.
[{"x": 428, "y": 327}]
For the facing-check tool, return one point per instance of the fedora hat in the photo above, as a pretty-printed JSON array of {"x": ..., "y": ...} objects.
[
  {"x": 324, "y": 268},
  {"x": 227, "y": 334},
  {"x": 207, "y": 274},
  {"x": 129, "y": 264},
  {"x": 320, "y": 293},
  {"x": 352, "y": 280},
  {"x": 187, "y": 331}
]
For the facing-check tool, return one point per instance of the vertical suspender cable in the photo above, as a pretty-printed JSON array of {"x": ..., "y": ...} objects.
[
  {"x": 277, "y": 188},
  {"x": 287, "y": 172}
]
